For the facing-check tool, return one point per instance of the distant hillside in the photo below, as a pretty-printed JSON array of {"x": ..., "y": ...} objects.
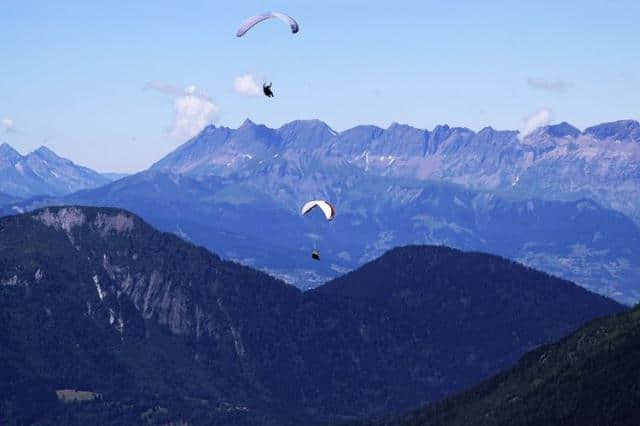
[
  {"x": 95, "y": 300},
  {"x": 7, "y": 200},
  {"x": 576, "y": 240},
  {"x": 589, "y": 378},
  {"x": 114, "y": 176},
  {"x": 43, "y": 172}
]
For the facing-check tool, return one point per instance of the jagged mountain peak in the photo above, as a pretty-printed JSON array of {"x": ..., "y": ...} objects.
[
  {"x": 441, "y": 128},
  {"x": 313, "y": 122},
  {"x": 306, "y": 133},
  {"x": 561, "y": 130},
  {"x": 44, "y": 150},
  {"x": 209, "y": 129},
  {"x": 251, "y": 133},
  {"x": 301, "y": 125},
  {"x": 8, "y": 154},
  {"x": 403, "y": 130},
  {"x": 247, "y": 123},
  {"x": 361, "y": 133},
  {"x": 395, "y": 125},
  {"x": 47, "y": 155},
  {"x": 622, "y": 130},
  {"x": 489, "y": 130},
  {"x": 441, "y": 132},
  {"x": 489, "y": 134},
  {"x": 5, "y": 147},
  {"x": 43, "y": 172}
]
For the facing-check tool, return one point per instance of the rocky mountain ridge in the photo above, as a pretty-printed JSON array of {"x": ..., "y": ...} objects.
[
  {"x": 553, "y": 162},
  {"x": 43, "y": 172}
]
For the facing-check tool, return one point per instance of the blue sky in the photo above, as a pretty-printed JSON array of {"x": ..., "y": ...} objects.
[{"x": 116, "y": 88}]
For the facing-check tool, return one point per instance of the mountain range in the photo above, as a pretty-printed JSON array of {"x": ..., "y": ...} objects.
[
  {"x": 43, "y": 172},
  {"x": 139, "y": 326},
  {"x": 554, "y": 162},
  {"x": 529, "y": 199}
]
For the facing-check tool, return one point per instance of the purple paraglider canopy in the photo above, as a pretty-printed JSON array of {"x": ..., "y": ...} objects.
[{"x": 254, "y": 20}]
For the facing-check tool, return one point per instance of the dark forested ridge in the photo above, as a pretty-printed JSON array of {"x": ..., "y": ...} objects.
[
  {"x": 589, "y": 378},
  {"x": 94, "y": 299}
]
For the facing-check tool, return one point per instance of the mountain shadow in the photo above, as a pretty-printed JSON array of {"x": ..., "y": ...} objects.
[{"x": 588, "y": 378}]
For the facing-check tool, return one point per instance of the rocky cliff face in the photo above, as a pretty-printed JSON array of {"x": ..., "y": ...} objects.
[{"x": 112, "y": 249}]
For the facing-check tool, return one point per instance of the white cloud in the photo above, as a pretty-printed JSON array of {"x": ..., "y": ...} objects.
[
  {"x": 193, "y": 108},
  {"x": 556, "y": 86},
  {"x": 537, "y": 119},
  {"x": 246, "y": 85},
  {"x": 193, "y": 113},
  {"x": 166, "y": 88},
  {"x": 7, "y": 125}
]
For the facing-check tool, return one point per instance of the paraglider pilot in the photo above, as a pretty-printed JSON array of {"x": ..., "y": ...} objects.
[
  {"x": 267, "y": 90},
  {"x": 327, "y": 209}
]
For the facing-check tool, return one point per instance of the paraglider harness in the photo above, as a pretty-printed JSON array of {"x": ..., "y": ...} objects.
[
  {"x": 267, "y": 90},
  {"x": 315, "y": 255}
]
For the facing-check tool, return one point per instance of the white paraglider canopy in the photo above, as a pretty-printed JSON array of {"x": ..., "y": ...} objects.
[
  {"x": 326, "y": 207},
  {"x": 254, "y": 20}
]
